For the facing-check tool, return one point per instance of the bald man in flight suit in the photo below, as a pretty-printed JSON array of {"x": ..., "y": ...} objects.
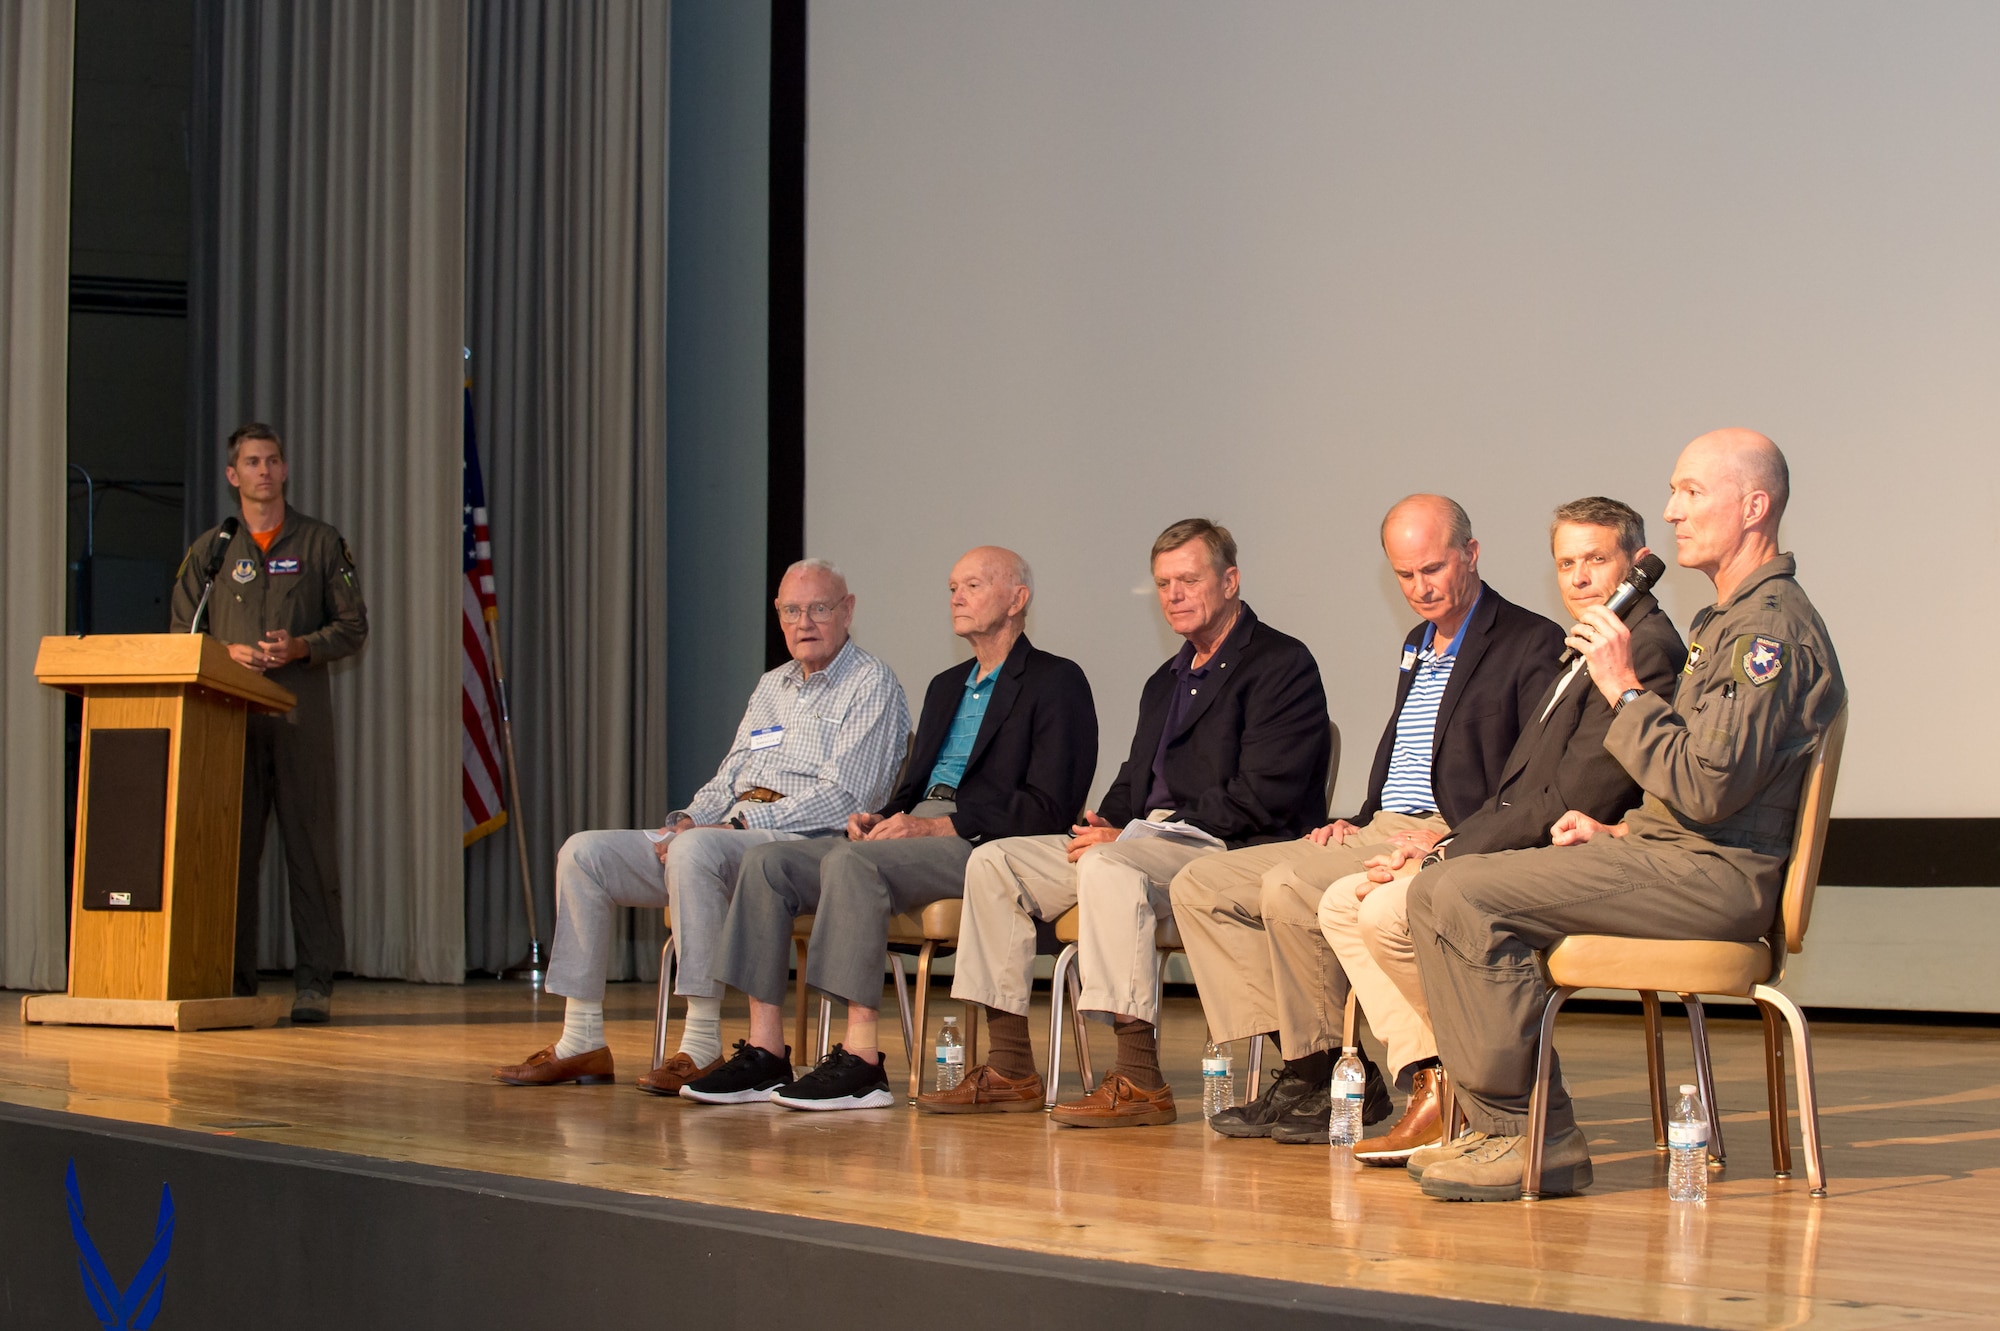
[
  {"x": 287, "y": 604},
  {"x": 1721, "y": 765}
]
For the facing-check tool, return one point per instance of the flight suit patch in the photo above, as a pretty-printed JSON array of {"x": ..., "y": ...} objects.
[
  {"x": 275, "y": 567},
  {"x": 1694, "y": 658},
  {"x": 246, "y": 569},
  {"x": 1759, "y": 659}
]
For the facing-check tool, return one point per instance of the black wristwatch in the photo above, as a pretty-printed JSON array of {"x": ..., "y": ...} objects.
[{"x": 1624, "y": 698}]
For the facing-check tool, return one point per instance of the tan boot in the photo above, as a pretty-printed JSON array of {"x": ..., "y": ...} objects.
[{"x": 1491, "y": 1171}]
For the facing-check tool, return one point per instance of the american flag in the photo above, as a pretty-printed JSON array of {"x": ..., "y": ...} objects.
[{"x": 485, "y": 802}]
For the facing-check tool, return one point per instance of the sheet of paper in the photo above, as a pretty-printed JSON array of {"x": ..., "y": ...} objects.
[
  {"x": 1178, "y": 831},
  {"x": 657, "y": 837}
]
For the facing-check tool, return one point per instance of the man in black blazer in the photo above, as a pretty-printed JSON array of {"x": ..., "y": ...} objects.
[
  {"x": 1469, "y": 676},
  {"x": 1559, "y": 763},
  {"x": 1005, "y": 747},
  {"x": 1230, "y": 750}
]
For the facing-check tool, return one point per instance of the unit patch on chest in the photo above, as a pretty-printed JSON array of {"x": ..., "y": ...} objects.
[
  {"x": 1694, "y": 658},
  {"x": 274, "y": 567},
  {"x": 245, "y": 570}
]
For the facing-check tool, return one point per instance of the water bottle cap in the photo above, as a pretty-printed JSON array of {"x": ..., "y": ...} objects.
[
  {"x": 1687, "y": 1090},
  {"x": 953, "y": 1021},
  {"x": 1349, "y": 1049}
]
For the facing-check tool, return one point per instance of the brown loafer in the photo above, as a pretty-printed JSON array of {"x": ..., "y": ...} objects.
[
  {"x": 984, "y": 1091},
  {"x": 1421, "y": 1124},
  {"x": 676, "y": 1072},
  {"x": 1117, "y": 1103},
  {"x": 543, "y": 1068}
]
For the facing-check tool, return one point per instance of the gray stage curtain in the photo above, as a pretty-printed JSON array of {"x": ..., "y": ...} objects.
[
  {"x": 566, "y": 314},
  {"x": 36, "y": 41},
  {"x": 328, "y": 299}
]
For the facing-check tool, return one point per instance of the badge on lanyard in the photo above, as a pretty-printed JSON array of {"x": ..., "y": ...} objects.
[
  {"x": 1409, "y": 658},
  {"x": 770, "y": 737}
]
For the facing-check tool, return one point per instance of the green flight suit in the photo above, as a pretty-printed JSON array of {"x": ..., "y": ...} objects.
[
  {"x": 1720, "y": 767},
  {"x": 305, "y": 584}
]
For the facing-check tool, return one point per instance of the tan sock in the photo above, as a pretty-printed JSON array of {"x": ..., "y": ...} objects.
[
  {"x": 1139, "y": 1054},
  {"x": 1011, "y": 1055}
]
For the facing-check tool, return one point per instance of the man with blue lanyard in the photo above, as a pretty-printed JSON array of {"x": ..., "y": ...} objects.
[
  {"x": 1468, "y": 677},
  {"x": 1004, "y": 747}
]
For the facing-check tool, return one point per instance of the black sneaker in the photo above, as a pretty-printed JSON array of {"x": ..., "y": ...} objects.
[
  {"x": 1254, "y": 1119},
  {"x": 749, "y": 1077},
  {"x": 841, "y": 1081},
  {"x": 1305, "y": 1124},
  {"x": 1375, "y": 1102}
]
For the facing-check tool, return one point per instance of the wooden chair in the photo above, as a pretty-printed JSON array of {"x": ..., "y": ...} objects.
[
  {"x": 1066, "y": 986},
  {"x": 1690, "y": 968}
]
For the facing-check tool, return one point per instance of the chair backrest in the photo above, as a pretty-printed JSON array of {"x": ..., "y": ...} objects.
[
  {"x": 1332, "y": 763},
  {"x": 1809, "y": 841}
]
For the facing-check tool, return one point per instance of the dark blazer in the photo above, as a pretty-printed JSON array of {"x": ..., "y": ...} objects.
[
  {"x": 1034, "y": 755},
  {"x": 1248, "y": 763},
  {"x": 1561, "y": 764},
  {"x": 1505, "y": 664}
]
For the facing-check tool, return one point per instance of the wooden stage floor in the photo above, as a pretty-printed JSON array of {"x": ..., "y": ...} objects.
[{"x": 1908, "y": 1237}]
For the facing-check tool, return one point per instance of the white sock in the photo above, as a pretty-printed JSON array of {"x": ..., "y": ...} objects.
[
  {"x": 583, "y": 1028},
  {"x": 701, "y": 1034}
]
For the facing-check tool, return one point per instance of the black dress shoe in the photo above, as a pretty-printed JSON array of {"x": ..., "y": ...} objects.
[{"x": 1254, "y": 1119}]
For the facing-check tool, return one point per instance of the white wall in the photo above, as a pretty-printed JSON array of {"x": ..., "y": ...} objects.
[{"x": 1079, "y": 268}]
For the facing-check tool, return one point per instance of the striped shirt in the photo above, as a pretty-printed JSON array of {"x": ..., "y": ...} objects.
[
  {"x": 829, "y": 744},
  {"x": 956, "y": 750},
  {"x": 1407, "y": 789}
]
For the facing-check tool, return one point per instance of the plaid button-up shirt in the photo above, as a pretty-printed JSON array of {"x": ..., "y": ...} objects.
[{"x": 844, "y": 733}]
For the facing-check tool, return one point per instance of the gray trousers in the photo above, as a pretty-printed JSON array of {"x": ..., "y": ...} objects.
[
  {"x": 599, "y": 872},
  {"x": 850, "y": 888},
  {"x": 1478, "y": 922}
]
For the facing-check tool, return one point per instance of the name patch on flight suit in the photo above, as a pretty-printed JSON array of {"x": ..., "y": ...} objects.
[
  {"x": 246, "y": 569},
  {"x": 275, "y": 567}
]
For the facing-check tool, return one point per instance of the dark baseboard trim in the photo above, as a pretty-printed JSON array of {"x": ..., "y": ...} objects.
[{"x": 266, "y": 1232}]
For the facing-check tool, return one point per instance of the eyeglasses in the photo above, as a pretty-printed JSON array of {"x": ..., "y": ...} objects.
[{"x": 819, "y": 612}]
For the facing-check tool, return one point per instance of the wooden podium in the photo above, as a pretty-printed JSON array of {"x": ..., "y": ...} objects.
[{"x": 159, "y": 807}]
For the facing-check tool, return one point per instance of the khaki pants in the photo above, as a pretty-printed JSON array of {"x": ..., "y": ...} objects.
[
  {"x": 1121, "y": 891},
  {"x": 1371, "y": 938},
  {"x": 1250, "y": 922}
]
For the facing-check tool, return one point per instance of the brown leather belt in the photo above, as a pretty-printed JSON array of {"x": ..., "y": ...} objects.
[{"x": 759, "y": 795}]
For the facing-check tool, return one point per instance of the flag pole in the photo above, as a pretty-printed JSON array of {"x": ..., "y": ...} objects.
[{"x": 534, "y": 967}]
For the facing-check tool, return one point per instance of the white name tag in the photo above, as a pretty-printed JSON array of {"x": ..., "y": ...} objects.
[
  {"x": 1409, "y": 657},
  {"x": 770, "y": 737}
]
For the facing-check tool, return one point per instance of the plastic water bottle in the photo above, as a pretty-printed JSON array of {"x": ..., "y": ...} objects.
[
  {"x": 1218, "y": 1087},
  {"x": 1687, "y": 1149},
  {"x": 1350, "y": 1085},
  {"x": 950, "y": 1056}
]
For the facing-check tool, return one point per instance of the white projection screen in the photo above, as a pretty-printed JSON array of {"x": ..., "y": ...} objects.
[{"x": 1078, "y": 268}]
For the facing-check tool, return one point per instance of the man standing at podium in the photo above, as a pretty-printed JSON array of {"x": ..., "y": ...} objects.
[{"x": 287, "y": 603}]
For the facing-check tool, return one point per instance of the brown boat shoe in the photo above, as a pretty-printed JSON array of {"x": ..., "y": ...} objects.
[
  {"x": 1117, "y": 1103},
  {"x": 676, "y": 1072},
  {"x": 984, "y": 1091},
  {"x": 1421, "y": 1124},
  {"x": 543, "y": 1068}
]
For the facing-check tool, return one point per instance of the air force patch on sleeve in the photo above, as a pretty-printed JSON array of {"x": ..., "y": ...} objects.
[{"x": 1762, "y": 659}]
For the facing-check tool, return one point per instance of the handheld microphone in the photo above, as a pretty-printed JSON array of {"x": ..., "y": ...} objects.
[
  {"x": 218, "y": 551},
  {"x": 1626, "y": 594}
]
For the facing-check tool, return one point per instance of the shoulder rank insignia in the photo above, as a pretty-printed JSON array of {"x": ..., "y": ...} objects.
[
  {"x": 1763, "y": 659},
  {"x": 246, "y": 569},
  {"x": 1694, "y": 658}
]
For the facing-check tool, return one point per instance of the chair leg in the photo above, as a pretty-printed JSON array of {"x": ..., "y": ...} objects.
[
  {"x": 799, "y": 1031},
  {"x": 903, "y": 1005},
  {"x": 664, "y": 1000},
  {"x": 1255, "y": 1070},
  {"x": 921, "y": 1020},
  {"x": 1656, "y": 1065},
  {"x": 1774, "y": 1090},
  {"x": 1058, "y": 992},
  {"x": 1803, "y": 1072},
  {"x": 1079, "y": 1025},
  {"x": 825, "y": 1027},
  {"x": 1538, "y": 1104},
  {"x": 1704, "y": 1076}
]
